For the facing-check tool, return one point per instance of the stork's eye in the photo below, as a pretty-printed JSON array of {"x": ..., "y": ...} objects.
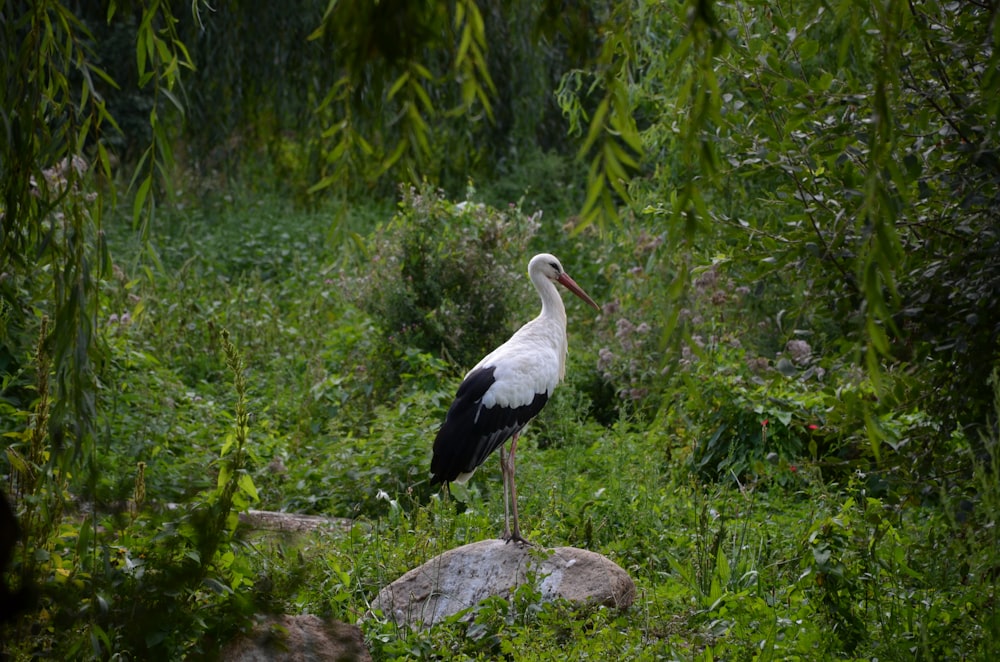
[{"x": 555, "y": 267}]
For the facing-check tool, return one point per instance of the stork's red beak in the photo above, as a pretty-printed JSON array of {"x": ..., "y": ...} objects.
[{"x": 571, "y": 285}]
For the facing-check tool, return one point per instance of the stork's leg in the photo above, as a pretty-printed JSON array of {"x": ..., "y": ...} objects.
[
  {"x": 506, "y": 492},
  {"x": 514, "y": 535}
]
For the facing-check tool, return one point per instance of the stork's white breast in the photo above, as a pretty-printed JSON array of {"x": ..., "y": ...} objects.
[{"x": 530, "y": 362}]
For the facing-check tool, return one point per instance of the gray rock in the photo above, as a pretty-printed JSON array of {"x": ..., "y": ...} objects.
[
  {"x": 462, "y": 577},
  {"x": 266, "y": 520},
  {"x": 305, "y": 638}
]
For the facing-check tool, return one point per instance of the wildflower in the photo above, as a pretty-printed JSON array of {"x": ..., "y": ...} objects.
[
  {"x": 707, "y": 279},
  {"x": 625, "y": 327},
  {"x": 637, "y": 393},
  {"x": 605, "y": 359},
  {"x": 763, "y": 423},
  {"x": 624, "y": 332},
  {"x": 799, "y": 351},
  {"x": 78, "y": 163},
  {"x": 813, "y": 426}
]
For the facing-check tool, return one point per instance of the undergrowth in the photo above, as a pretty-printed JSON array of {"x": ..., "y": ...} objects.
[{"x": 733, "y": 485}]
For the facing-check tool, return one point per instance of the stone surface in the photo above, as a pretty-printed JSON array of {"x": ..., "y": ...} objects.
[
  {"x": 305, "y": 638},
  {"x": 267, "y": 520},
  {"x": 462, "y": 577}
]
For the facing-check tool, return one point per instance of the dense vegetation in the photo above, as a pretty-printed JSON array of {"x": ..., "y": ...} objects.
[{"x": 234, "y": 276}]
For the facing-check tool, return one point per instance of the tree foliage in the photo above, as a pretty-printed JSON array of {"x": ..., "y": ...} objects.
[
  {"x": 56, "y": 174},
  {"x": 52, "y": 250},
  {"x": 854, "y": 146},
  {"x": 348, "y": 97}
]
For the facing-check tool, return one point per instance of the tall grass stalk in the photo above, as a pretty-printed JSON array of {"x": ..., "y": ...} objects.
[{"x": 235, "y": 485}]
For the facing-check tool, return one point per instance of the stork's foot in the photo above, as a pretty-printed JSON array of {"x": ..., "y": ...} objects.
[{"x": 508, "y": 537}]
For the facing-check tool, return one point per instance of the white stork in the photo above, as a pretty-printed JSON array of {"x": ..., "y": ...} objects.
[{"x": 507, "y": 389}]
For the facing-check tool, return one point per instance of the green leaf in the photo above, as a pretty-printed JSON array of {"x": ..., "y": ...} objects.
[
  {"x": 398, "y": 84},
  {"x": 247, "y": 487},
  {"x": 174, "y": 100},
  {"x": 140, "y": 198},
  {"x": 17, "y": 462},
  {"x": 224, "y": 474},
  {"x": 140, "y": 54},
  {"x": 85, "y": 537},
  {"x": 786, "y": 367},
  {"x": 596, "y": 125},
  {"x": 807, "y": 48},
  {"x": 424, "y": 98}
]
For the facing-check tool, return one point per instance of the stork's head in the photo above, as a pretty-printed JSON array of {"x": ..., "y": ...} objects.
[{"x": 549, "y": 266}]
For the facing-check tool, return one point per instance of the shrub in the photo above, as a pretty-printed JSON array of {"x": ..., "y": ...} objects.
[{"x": 443, "y": 278}]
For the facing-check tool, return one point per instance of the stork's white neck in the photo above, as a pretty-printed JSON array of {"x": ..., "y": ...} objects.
[{"x": 552, "y": 304}]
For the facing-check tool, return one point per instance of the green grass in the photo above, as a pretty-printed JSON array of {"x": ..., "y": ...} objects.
[{"x": 779, "y": 562}]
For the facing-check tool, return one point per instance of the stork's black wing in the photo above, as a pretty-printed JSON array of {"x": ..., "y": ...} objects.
[{"x": 471, "y": 431}]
